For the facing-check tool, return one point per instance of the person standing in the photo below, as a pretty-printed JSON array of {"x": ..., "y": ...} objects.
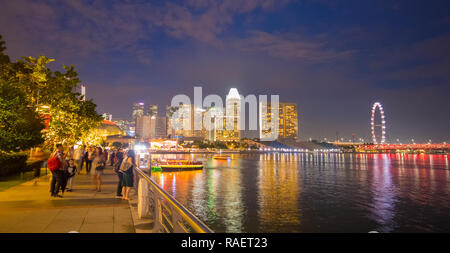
[
  {"x": 78, "y": 157},
  {"x": 71, "y": 170},
  {"x": 118, "y": 158},
  {"x": 98, "y": 163},
  {"x": 112, "y": 157},
  {"x": 69, "y": 153},
  {"x": 127, "y": 167},
  {"x": 55, "y": 164},
  {"x": 89, "y": 157},
  {"x": 63, "y": 177},
  {"x": 105, "y": 154}
]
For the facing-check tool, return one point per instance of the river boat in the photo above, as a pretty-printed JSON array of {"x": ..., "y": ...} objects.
[
  {"x": 221, "y": 157},
  {"x": 175, "y": 165}
]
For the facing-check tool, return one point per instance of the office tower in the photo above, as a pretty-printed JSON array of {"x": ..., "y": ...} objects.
[
  {"x": 186, "y": 120},
  {"x": 107, "y": 116},
  {"x": 232, "y": 119},
  {"x": 143, "y": 127},
  {"x": 287, "y": 121},
  {"x": 152, "y": 110},
  {"x": 161, "y": 128},
  {"x": 138, "y": 110},
  {"x": 170, "y": 110},
  {"x": 216, "y": 122}
]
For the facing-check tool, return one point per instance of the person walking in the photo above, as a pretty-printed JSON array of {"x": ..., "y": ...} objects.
[
  {"x": 98, "y": 163},
  {"x": 78, "y": 158},
  {"x": 89, "y": 157},
  {"x": 69, "y": 153},
  {"x": 128, "y": 164},
  {"x": 112, "y": 157},
  {"x": 118, "y": 158},
  {"x": 63, "y": 177},
  {"x": 105, "y": 154},
  {"x": 71, "y": 170},
  {"x": 55, "y": 164}
]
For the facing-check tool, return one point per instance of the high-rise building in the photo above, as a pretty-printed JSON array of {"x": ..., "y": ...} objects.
[
  {"x": 216, "y": 117},
  {"x": 170, "y": 110},
  {"x": 143, "y": 127},
  {"x": 232, "y": 119},
  {"x": 152, "y": 110},
  {"x": 287, "y": 121},
  {"x": 186, "y": 120},
  {"x": 160, "y": 128},
  {"x": 127, "y": 126},
  {"x": 138, "y": 110}
]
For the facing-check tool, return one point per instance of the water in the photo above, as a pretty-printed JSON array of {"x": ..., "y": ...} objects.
[{"x": 316, "y": 192}]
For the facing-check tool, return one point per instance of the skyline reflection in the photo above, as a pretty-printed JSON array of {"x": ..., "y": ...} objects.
[{"x": 304, "y": 192}]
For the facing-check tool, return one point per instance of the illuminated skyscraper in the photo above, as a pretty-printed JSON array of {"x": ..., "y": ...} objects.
[
  {"x": 287, "y": 121},
  {"x": 232, "y": 119},
  {"x": 144, "y": 127},
  {"x": 152, "y": 110},
  {"x": 184, "y": 124},
  {"x": 160, "y": 128},
  {"x": 138, "y": 110}
]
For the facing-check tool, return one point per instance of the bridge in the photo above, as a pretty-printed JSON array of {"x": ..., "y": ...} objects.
[{"x": 414, "y": 147}]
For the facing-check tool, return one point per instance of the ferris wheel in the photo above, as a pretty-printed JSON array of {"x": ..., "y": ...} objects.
[{"x": 378, "y": 129}]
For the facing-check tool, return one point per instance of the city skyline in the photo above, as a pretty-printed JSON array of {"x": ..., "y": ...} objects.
[{"x": 333, "y": 60}]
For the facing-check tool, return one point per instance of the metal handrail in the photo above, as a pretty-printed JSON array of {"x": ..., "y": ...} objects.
[{"x": 177, "y": 212}]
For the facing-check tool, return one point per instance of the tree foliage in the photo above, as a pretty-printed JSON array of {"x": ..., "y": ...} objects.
[
  {"x": 42, "y": 91},
  {"x": 20, "y": 125}
]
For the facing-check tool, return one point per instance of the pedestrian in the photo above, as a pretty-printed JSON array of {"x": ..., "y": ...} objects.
[
  {"x": 55, "y": 164},
  {"x": 84, "y": 150},
  {"x": 98, "y": 163},
  {"x": 118, "y": 158},
  {"x": 71, "y": 170},
  {"x": 105, "y": 154},
  {"x": 112, "y": 157},
  {"x": 63, "y": 177},
  {"x": 128, "y": 164},
  {"x": 89, "y": 158},
  {"x": 78, "y": 158},
  {"x": 69, "y": 153}
]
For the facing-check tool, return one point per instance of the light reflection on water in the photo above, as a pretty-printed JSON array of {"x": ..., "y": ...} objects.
[{"x": 302, "y": 192}]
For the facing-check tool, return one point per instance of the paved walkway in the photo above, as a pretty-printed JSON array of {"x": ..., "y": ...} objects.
[{"x": 28, "y": 208}]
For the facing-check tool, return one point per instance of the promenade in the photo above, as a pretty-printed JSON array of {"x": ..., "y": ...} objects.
[{"x": 28, "y": 208}]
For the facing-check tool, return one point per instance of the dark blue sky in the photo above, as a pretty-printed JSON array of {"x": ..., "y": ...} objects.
[{"x": 333, "y": 58}]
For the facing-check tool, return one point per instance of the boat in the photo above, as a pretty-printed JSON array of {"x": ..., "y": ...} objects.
[
  {"x": 221, "y": 157},
  {"x": 175, "y": 165}
]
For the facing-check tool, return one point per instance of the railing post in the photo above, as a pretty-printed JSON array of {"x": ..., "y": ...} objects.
[
  {"x": 143, "y": 198},
  {"x": 157, "y": 215}
]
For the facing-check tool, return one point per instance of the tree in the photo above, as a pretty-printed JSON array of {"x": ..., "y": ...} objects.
[
  {"x": 20, "y": 125},
  {"x": 72, "y": 119}
]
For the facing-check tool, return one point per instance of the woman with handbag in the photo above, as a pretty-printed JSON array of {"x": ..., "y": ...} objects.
[
  {"x": 127, "y": 169},
  {"x": 98, "y": 163}
]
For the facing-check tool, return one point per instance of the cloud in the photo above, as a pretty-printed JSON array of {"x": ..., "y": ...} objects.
[
  {"x": 421, "y": 63},
  {"x": 287, "y": 46}
]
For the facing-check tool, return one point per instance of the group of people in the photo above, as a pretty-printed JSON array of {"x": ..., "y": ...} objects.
[{"x": 65, "y": 164}]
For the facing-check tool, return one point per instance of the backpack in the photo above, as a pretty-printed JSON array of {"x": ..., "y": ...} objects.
[
  {"x": 54, "y": 163},
  {"x": 125, "y": 165}
]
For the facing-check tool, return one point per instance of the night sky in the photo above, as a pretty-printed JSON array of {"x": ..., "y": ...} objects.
[{"x": 333, "y": 58}]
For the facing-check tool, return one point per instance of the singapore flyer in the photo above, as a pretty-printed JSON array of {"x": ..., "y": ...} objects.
[{"x": 378, "y": 130}]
